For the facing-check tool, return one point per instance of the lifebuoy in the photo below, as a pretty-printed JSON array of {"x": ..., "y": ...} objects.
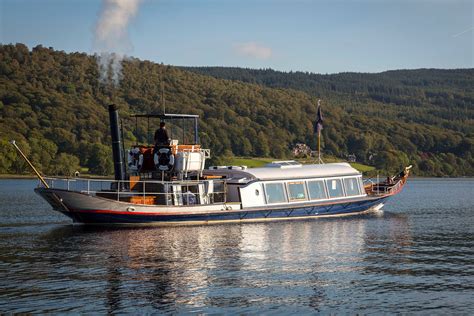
[
  {"x": 135, "y": 160},
  {"x": 164, "y": 159}
]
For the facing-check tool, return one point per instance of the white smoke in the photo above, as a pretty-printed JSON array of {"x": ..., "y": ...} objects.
[
  {"x": 111, "y": 37},
  {"x": 254, "y": 50}
]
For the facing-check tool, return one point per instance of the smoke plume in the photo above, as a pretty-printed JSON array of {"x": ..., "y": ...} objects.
[{"x": 111, "y": 37}]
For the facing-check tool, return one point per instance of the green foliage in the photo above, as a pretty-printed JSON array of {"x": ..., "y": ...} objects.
[
  {"x": 52, "y": 104},
  {"x": 100, "y": 161},
  {"x": 423, "y": 117},
  {"x": 43, "y": 154},
  {"x": 65, "y": 165},
  {"x": 7, "y": 156}
]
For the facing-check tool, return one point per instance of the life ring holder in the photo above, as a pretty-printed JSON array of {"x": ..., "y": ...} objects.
[{"x": 164, "y": 159}]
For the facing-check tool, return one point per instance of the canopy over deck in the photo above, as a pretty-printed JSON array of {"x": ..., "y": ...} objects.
[
  {"x": 183, "y": 118},
  {"x": 167, "y": 116}
]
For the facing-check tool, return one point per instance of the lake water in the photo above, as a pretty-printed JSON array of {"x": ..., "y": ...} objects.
[{"x": 417, "y": 255}]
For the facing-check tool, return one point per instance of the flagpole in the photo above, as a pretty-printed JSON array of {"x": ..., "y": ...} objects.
[
  {"x": 319, "y": 146},
  {"x": 319, "y": 127}
]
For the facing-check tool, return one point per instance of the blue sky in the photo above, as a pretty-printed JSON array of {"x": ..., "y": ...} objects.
[{"x": 315, "y": 36}]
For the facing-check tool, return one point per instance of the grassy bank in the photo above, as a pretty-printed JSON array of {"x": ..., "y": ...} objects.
[
  {"x": 248, "y": 161},
  {"x": 363, "y": 168},
  {"x": 17, "y": 176}
]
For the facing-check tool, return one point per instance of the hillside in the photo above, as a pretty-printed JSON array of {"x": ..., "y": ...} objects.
[
  {"x": 429, "y": 97},
  {"x": 52, "y": 103},
  {"x": 443, "y": 98}
]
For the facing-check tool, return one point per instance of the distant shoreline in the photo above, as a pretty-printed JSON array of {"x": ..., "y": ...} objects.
[
  {"x": 33, "y": 177},
  {"x": 16, "y": 176}
]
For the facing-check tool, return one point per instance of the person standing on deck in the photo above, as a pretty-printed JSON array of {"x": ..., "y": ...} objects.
[{"x": 161, "y": 136}]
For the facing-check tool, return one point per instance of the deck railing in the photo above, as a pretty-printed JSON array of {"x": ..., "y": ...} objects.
[
  {"x": 383, "y": 189},
  {"x": 186, "y": 192}
]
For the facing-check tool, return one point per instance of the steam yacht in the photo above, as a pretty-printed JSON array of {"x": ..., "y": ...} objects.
[{"x": 169, "y": 184}]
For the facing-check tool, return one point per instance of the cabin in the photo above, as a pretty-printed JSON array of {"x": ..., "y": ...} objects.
[{"x": 289, "y": 182}]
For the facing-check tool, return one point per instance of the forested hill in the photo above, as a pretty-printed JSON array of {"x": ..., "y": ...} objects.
[
  {"x": 52, "y": 104},
  {"x": 433, "y": 96},
  {"x": 436, "y": 99}
]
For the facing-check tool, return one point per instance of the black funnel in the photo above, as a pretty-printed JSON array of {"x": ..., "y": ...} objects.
[{"x": 119, "y": 166}]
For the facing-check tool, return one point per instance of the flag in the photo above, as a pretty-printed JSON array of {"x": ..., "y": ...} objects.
[{"x": 319, "y": 120}]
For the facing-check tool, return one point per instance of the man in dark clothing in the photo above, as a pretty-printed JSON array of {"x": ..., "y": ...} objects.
[{"x": 161, "y": 135}]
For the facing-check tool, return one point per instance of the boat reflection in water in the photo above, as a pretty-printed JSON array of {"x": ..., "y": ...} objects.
[{"x": 239, "y": 267}]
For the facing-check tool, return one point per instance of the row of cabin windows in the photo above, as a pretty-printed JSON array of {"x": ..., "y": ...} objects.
[{"x": 312, "y": 190}]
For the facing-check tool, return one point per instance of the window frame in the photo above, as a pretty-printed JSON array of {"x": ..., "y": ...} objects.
[
  {"x": 361, "y": 184},
  {"x": 303, "y": 183},
  {"x": 326, "y": 194},
  {"x": 326, "y": 181},
  {"x": 357, "y": 182},
  {"x": 285, "y": 183},
  {"x": 285, "y": 193}
]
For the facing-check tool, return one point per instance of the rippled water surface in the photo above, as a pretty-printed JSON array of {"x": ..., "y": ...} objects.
[{"x": 416, "y": 255}]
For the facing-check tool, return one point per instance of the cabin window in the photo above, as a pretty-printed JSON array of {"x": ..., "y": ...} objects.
[
  {"x": 296, "y": 191},
  {"x": 218, "y": 193},
  {"x": 335, "y": 188},
  {"x": 352, "y": 186},
  {"x": 316, "y": 190},
  {"x": 361, "y": 184},
  {"x": 275, "y": 193}
]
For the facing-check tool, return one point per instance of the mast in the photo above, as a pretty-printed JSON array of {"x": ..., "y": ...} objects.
[
  {"x": 319, "y": 146},
  {"x": 163, "y": 104},
  {"x": 319, "y": 127}
]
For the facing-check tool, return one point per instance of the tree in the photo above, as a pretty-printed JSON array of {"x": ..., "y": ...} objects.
[
  {"x": 7, "y": 156},
  {"x": 358, "y": 145},
  {"x": 100, "y": 161},
  {"x": 261, "y": 145},
  {"x": 65, "y": 165},
  {"x": 43, "y": 153}
]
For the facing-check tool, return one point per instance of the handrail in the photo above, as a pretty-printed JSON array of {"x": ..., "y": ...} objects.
[
  {"x": 124, "y": 189},
  {"x": 379, "y": 189},
  {"x": 123, "y": 181},
  {"x": 383, "y": 188}
]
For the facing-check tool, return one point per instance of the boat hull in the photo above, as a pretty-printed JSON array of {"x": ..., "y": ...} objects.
[{"x": 82, "y": 208}]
